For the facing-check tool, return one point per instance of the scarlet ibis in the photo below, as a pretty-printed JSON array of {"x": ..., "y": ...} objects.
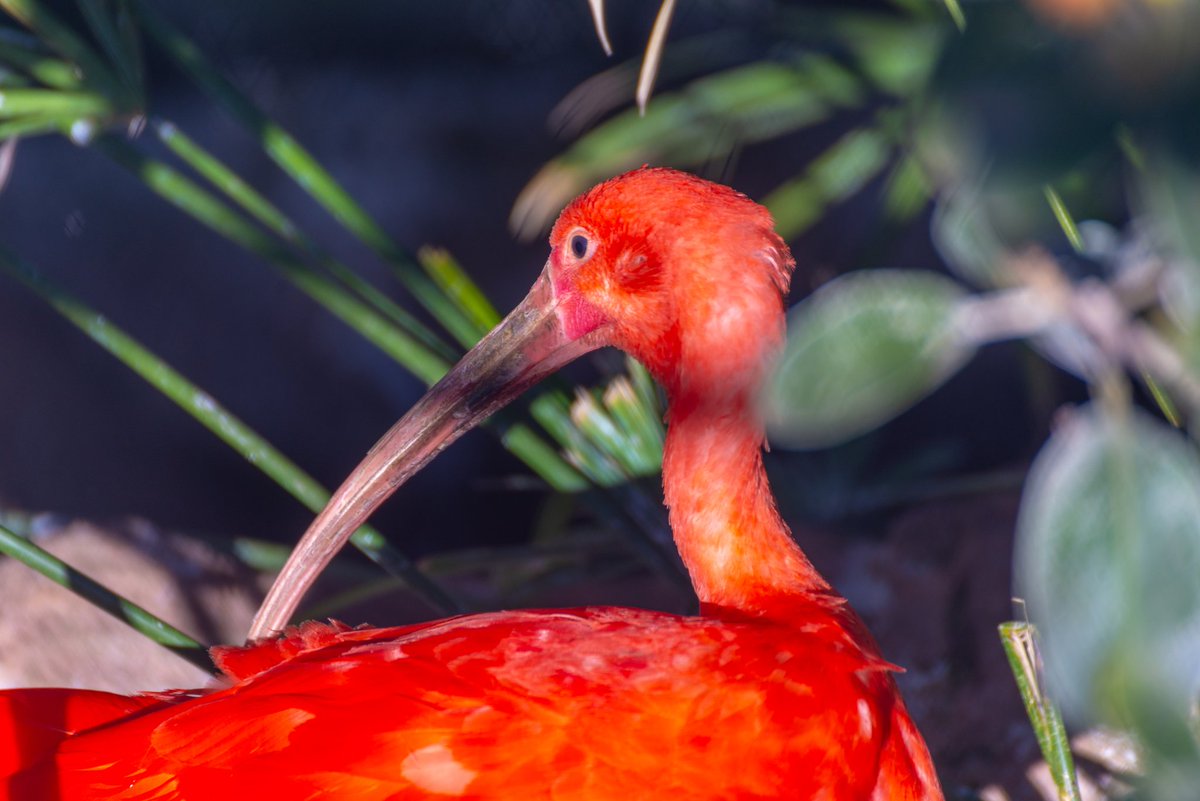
[{"x": 775, "y": 690}]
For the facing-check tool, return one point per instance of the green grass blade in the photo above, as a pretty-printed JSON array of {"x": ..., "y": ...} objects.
[
  {"x": 20, "y": 102},
  {"x": 956, "y": 14},
  {"x": 600, "y": 427},
  {"x": 294, "y": 160},
  {"x": 1065, "y": 220},
  {"x": 617, "y": 500},
  {"x": 1020, "y": 645},
  {"x": 30, "y": 126},
  {"x": 458, "y": 286},
  {"x": 553, "y": 411},
  {"x": 644, "y": 386},
  {"x": 60, "y": 38},
  {"x": 186, "y": 195},
  {"x": 224, "y": 179},
  {"x": 1162, "y": 399},
  {"x": 642, "y": 426},
  {"x": 205, "y": 409},
  {"x": 267, "y": 214},
  {"x": 526, "y": 445},
  {"x": 427, "y": 366},
  {"x": 116, "y": 46},
  {"x": 46, "y": 70},
  {"x": 98, "y": 595}
]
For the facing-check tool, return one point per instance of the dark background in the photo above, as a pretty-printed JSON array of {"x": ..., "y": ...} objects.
[{"x": 433, "y": 116}]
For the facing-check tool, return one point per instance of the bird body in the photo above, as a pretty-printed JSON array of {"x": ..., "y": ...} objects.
[
  {"x": 775, "y": 690},
  {"x": 599, "y": 703}
]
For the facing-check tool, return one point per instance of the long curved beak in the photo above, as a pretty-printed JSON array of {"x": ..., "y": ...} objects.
[{"x": 524, "y": 348}]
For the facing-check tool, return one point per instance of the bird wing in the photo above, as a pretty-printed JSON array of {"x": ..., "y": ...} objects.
[{"x": 585, "y": 704}]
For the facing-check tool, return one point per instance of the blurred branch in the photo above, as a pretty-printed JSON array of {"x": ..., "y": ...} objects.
[
  {"x": 653, "y": 56},
  {"x": 597, "y": 7}
]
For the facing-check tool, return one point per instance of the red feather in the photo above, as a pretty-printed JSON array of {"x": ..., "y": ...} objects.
[{"x": 583, "y": 704}]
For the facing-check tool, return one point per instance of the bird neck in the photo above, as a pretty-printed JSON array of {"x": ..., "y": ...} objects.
[{"x": 737, "y": 549}]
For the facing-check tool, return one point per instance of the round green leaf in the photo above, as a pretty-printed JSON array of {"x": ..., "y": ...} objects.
[
  {"x": 860, "y": 350},
  {"x": 1108, "y": 559}
]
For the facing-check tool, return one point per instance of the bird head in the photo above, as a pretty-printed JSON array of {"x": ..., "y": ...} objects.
[{"x": 685, "y": 275}]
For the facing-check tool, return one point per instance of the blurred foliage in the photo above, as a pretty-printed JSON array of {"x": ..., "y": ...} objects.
[
  {"x": 1054, "y": 144},
  {"x": 861, "y": 349},
  {"x": 1049, "y": 144}
]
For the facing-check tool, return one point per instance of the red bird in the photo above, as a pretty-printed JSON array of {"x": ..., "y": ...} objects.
[{"x": 775, "y": 690}]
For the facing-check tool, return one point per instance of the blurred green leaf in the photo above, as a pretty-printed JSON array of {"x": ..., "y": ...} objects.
[
  {"x": 612, "y": 435},
  {"x": 966, "y": 239},
  {"x": 618, "y": 424},
  {"x": 1108, "y": 556},
  {"x": 553, "y": 411},
  {"x": 897, "y": 55},
  {"x": 907, "y": 191},
  {"x": 706, "y": 120},
  {"x": 1169, "y": 192},
  {"x": 832, "y": 177},
  {"x": 640, "y": 423},
  {"x": 860, "y": 350}
]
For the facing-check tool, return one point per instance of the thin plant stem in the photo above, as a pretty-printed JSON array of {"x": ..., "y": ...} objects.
[
  {"x": 95, "y": 593},
  {"x": 1020, "y": 645},
  {"x": 1065, "y": 220}
]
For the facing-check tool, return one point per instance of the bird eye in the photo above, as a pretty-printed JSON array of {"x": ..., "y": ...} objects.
[{"x": 579, "y": 246}]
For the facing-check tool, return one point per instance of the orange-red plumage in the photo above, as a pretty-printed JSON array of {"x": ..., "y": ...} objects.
[{"x": 775, "y": 691}]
